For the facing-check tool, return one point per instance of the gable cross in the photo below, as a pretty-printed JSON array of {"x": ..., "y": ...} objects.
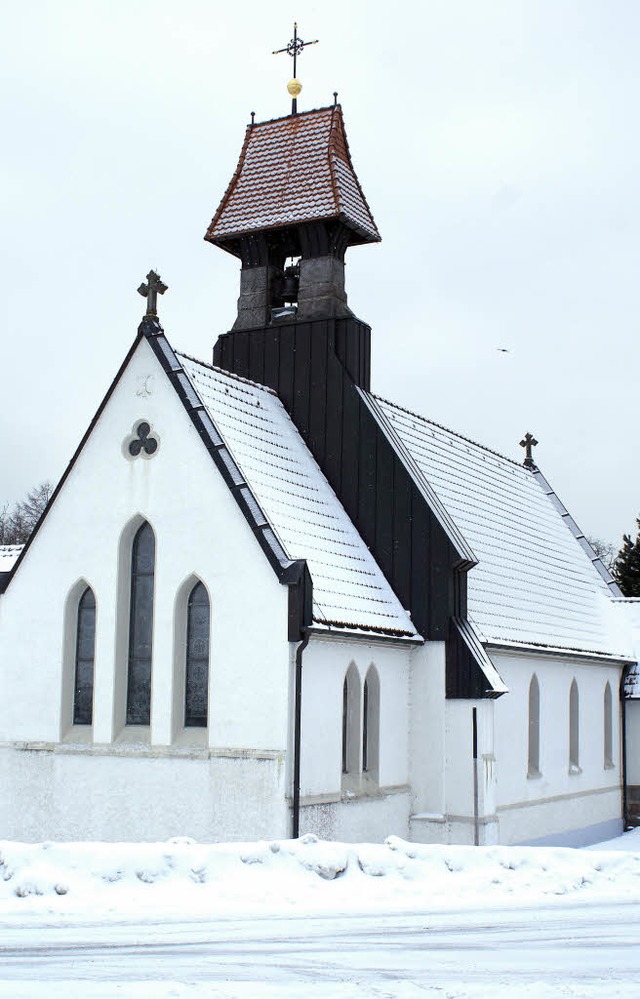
[
  {"x": 528, "y": 443},
  {"x": 295, "y": 48},
  {"x": 154, "y": 287}
]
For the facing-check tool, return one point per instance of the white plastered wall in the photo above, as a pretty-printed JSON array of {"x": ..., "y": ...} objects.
[
  {"x": 224, "y": 782},
  {"x": 359, "y": 808},
  {"x": 559, "y": 806}
]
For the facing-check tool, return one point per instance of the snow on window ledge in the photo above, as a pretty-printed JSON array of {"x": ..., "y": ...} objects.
[{"x": 574, "y": 769}]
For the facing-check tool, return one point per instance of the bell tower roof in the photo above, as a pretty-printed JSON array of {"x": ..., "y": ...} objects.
[{"x": 292, "y": 171}]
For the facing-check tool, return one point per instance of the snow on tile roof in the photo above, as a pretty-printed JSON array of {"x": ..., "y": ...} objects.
[
  {"x": 349, "y": 588},
  {"x": 293, "y": 170},
  {"x": 533, "y": 584},
  {"x": 9, "y": 556}
]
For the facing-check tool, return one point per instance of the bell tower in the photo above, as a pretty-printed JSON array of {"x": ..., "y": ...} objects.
[{"x": 293, "y": 208}]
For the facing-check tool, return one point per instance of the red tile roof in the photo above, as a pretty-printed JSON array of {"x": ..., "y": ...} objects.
[{"x": 293, "y": 170}]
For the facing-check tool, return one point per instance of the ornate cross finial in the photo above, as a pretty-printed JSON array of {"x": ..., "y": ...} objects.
[
  {"x": 154, "y": 287},
  {"x": 294, "y": 49},
  {"x": 528, "y": 442}
]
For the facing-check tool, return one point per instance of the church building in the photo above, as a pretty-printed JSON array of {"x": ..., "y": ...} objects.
[{"x": 294, "y": 606}]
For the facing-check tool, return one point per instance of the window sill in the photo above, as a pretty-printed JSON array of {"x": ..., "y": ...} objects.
[
  {"x": 574, "y": 769},
  {"x": 609, "y": 766},
  {"x": 357, "y": 784},
  {"x": 134, "y": 735},
  {"x": 192, "y": 736},
  {"x": 78, "y": 735},
  {"x": 534, "y": 775}
]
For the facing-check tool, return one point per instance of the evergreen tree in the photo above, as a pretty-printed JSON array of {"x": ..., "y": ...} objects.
[{"x": 626, "y": 570}]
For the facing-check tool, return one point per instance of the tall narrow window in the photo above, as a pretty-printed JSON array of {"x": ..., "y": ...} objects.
[
  {"x": 574, "y": 729},
  {"x": 534, "y": 727},
  {"x": 85, "y": 650},
  {"x": 371, "y": 722},
  {"x": 365, "y": 725},
  {"x": 608, "y": 727},
  {"x": 141, "y": 627},
  {"x": 197, "y": 663},
  {"x": 345, "y": 723},
  {"x": 351, "y": 734}
]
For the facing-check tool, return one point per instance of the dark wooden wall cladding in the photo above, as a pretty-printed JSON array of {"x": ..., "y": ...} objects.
[
  {"x": 464, "y": 677},
  {"x": 315, "y": 368}
]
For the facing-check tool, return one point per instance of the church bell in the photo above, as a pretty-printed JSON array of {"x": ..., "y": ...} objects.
[{"x": 291, "y": 283}]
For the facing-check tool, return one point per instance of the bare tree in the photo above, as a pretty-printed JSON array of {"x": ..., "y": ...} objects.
[
  {"x": 605, "y": 550},
  {"x": 18, "y": 522}
]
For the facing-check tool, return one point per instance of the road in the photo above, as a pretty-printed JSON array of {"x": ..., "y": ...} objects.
[{"x": 565, "y": 949}]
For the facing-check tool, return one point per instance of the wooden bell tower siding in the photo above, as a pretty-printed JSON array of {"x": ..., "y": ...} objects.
[{"x": 295, "y": 194}]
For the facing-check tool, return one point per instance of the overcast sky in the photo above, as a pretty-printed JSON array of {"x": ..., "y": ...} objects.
[{"x": 496, "y": 142}]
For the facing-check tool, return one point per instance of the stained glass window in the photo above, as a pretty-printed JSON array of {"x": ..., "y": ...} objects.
[
  {"x": 197, "y": 663},
  {"x": 85, "y": 647},
  {"x": 141, "y": 627}
]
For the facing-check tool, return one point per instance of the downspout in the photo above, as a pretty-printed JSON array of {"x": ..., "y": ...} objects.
[
  {"x": 297, "y": 735},
  {"x": 474, "y": 744},
  {"x": 623, "y": 720}
]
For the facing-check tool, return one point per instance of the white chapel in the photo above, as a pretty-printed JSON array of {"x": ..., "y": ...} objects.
[{"x": 293, "y": 606}]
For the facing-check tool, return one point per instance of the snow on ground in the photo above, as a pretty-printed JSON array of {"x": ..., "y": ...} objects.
[
  {"x": 306, "y": 874},
  {"x": 314, "y": 918}
]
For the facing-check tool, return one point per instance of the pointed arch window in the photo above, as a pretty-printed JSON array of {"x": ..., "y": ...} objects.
[
  {"x": 534, "y": 728},
  {"x": 197, "y": 660},
  {"x": 608, "y": 727},
  {"x": 371, "y": 722},
  {"x": 574, "y": 729},
  {"x": 143, "y": 552},
  {"x": 84, "y": 659},
  {"x": 351, "y": 722}
]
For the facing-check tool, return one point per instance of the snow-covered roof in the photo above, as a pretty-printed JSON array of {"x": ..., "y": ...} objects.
[
  {"x": 533, "y": 584},
  {"x": 292, "y": 170},
  {"x": 9, "y": 556},
  {"x": 349, "y": 589},
  {"x": 627, "y": 619}
]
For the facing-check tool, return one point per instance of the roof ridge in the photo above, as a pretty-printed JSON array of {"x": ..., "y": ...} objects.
[
  {"x": 232, "y": 183},
  {"x": 227, "y": 374},
  {"x": 441, "y": 426},
  {"x": 299, "y": 114},
  {"x": 332, "y": 150}
]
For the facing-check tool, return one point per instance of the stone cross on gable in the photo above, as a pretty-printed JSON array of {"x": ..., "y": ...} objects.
[
  {"x": 528, "y": 442},
  {"x": 154, "y": 287}
]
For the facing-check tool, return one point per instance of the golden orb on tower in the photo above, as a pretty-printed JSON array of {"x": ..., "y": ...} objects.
[{"x": 294, "y": 87}]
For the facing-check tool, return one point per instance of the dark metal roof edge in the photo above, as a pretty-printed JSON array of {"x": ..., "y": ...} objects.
[
  {"x": 287, "y": 570},
  {"x": 359, "y": 631},
  {"x": 471, "y": 639},
  {"x": 76, "y": 455},
  {"x": 464, "y": 550},
  {"x": 555, "y": 651},
  {"x": 579, "y": 535}
]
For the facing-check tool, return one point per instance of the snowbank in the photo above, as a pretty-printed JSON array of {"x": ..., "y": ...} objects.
[{"x": 301, "y": 875}]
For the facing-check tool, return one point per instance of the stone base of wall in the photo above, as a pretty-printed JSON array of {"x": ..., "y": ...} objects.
[{"x": 103, "y": 795}]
